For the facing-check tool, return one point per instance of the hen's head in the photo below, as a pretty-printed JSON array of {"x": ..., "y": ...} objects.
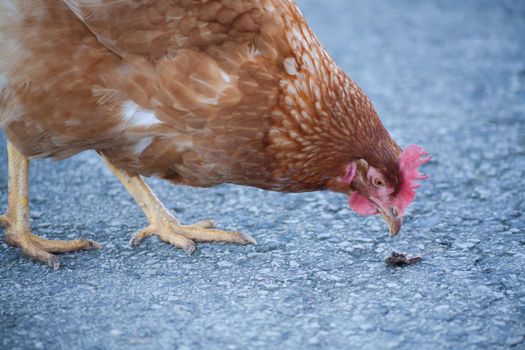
[{"x": 378, "y": 190}]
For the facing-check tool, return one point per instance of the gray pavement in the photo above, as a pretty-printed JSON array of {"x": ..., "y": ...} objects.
[{"x": 449, "y": 75}]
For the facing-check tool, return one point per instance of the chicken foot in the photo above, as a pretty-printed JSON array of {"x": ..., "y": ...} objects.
[
  {"x": 16, "y": 220},
  {"x": 165, "y": 225}
]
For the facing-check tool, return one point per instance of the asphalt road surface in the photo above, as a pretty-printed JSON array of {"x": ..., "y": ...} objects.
[{"x": 449, "y": 75}]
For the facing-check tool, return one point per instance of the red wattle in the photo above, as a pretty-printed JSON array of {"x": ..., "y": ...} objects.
[{"x": 361, "y": 205}]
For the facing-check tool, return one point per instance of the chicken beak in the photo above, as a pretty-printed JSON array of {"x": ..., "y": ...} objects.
[{"x": 394, "y": 222}]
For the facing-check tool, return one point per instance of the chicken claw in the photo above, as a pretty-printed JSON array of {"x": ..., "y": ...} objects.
[
  {"x": 18, "y": 231},
  {"x": 170, "y": 237},
  {"x": 40, "y": 249},
  {"x": 184, "y": 236},
  {"x": 164, "y": 225}
]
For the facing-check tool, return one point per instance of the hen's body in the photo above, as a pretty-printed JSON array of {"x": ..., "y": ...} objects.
[
  {"x": 196, "y": 92},
  {"x": 199, "y": 93}
]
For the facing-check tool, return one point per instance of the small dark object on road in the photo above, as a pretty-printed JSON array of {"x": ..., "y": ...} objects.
[{"x": 401, "y": 259}]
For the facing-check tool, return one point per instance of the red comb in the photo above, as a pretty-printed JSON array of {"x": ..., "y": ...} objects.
[{"x": 409, "y": 162}]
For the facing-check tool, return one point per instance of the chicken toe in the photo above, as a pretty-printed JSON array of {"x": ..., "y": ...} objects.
[
  {"x": 165, "y": 234},
  {"x": 199, "y": 234},
  {"x": 183, "y": 236},
  {"x": 40, "y": 249}
]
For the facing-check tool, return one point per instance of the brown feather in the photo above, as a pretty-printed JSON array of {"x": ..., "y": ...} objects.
[{"x": 197, "y": 92}]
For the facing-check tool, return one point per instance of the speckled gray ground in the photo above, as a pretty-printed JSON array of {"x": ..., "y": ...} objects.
[{"x": 446, "y": 74}]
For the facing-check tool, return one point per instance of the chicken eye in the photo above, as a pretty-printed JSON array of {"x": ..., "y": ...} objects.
[{"x": 379, "y": 182}]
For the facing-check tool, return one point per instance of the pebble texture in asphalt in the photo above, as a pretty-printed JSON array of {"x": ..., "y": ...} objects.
[{"x": 449, "y": 75}]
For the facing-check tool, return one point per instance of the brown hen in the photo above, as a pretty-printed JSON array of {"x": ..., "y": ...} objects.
[{"x": 196, "y": 92}]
